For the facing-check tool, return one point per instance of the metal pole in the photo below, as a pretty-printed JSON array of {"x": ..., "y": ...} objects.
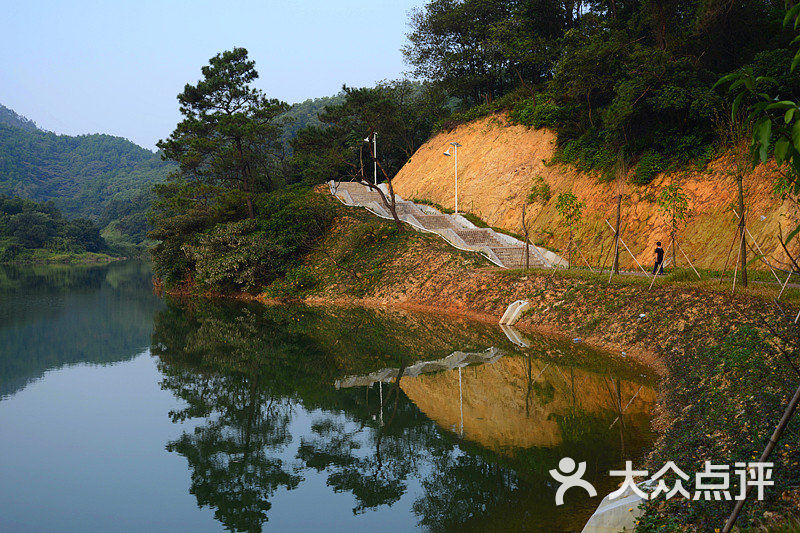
[
  {"x": 460, "y": 402},
  {"x": 456, "y": 163},
  {"x": 375, "y": 157},
  {"x": 380, "y": 389}
]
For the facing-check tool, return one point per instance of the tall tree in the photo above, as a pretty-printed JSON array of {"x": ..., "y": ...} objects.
[
  {"x": 571, "y": 211},
  {"x": 674, "y": 203},
  {"x": 477, "y": 49},
  {"x": 228, "y": 138},
  {"x": 401, "y": 113}
]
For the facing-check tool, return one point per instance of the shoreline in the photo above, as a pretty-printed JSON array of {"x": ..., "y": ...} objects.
[{"x": 671, "y": 330}]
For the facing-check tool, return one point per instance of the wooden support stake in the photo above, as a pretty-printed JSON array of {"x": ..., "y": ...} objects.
[
  {"x": 759, "y": 249},
  {"x": 784, "y": 285},
  {"x": 736, "y": 267},
  {"x": 617, "y": 236},
  {"x": 688, "y": 260},
  {"x": 626, "y": 247},
  {"x": 727, "y": 259},
  {"x": 584, "y": 259}
]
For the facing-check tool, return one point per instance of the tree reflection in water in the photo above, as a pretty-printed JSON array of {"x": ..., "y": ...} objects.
[{"x": 242, "y": 372}]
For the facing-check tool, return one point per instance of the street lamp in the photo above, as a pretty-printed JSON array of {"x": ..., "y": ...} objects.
[
  {"x": 374, "y": 156},
  {"x": 447, "y": 153}
]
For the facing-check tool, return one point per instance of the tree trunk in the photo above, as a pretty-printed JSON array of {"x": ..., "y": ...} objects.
[
  {"x": 527, "y": 253},
  {"x": 674, "y": 245},
  {"x": 248, "y": 198},
  {"x": 527, "y": 241},
  {"x": 569, "y": 250},
  {"x": 391, "y": 202},
  {"x": 660, "y": 26},
  {"x": 742, "y": 242},
  {"x": 247, "y": 175},
  {"x": 616, "y": 236}
]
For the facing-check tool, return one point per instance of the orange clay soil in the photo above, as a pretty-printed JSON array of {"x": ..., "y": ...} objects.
[
  {"x": 427, "y": 274},
  {"x": 498, "y": 163}
]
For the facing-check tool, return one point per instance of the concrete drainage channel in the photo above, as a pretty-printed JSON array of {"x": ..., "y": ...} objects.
[{"x": 502, "y": 250}]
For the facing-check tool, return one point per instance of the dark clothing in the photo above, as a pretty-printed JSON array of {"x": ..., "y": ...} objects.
[
  {"x": 659, "y": 260},
  {"x": 655, "y": 267}
]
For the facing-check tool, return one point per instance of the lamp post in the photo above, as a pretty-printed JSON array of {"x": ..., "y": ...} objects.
[
  {"x": 455, "y": 157},
  {"x": 374, "y": 156}
]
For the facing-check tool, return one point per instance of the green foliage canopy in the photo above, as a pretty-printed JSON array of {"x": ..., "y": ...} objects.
[
  {"x": 26, "y": 226},
  {"x": 228, "y": 137},
  {"x": 617, "y": 80},
  {"x": 570, "y": 208},
  {"x": 401, "y": 113},
  {"x": 99, "y": 177}
]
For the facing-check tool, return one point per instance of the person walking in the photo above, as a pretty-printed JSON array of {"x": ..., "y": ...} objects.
[{"x": 659, "y": 259}]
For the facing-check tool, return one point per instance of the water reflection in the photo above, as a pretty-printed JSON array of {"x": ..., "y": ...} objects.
[
  {"x": 466, "y": 446},
  {"x": 57, "y": 315}
]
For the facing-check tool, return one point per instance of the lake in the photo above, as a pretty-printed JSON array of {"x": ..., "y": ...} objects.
[{"x": 122, "y": 412}]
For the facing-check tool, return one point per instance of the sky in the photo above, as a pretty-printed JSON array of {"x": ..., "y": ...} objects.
[{"x": 116, "y": 67}]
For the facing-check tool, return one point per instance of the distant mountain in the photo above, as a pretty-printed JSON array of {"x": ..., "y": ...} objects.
[
  {"x": 104, "y": 178},
  {"x": 11, "y": 118},
  {"x": 100, "y": 177},
  {"x": 306, "y": 113}
]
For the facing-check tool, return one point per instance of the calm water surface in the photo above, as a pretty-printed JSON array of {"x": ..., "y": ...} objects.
[{"x": 119, "y": 412}]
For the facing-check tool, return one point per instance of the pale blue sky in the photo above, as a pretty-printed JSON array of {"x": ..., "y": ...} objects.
[{"x": 116, "y": 66}]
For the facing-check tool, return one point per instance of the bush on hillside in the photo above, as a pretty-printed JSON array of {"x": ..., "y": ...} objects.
[
  {"x": 26, "y": 226},
  {"x": 249, "y": 254},
  {"x": 538, "y": 113},
  {"x": 651, "y": 164}
]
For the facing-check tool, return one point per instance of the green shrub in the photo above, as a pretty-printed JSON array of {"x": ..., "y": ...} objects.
[
  {"x": 650, "y": 164},
  {"x": 538, "y": 113},
  {"x": 540, "y": 192},
  {"x": 301, "y": 279},
  {"x": 475, "y": 219},
  {"x": 587, "y": 152},
  {"x": 249, "y": 254}
]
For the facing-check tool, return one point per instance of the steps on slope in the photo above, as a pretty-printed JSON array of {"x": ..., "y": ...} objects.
[
  {"x": 501, "y": 249},
  {"x": 434, "y": 222},
  {"x": 514, "y": 257}
]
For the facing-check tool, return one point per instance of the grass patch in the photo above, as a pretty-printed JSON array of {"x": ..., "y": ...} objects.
[
  {"x": 41, "y": 255},
  {"x": 726, "y": 398},
  {"x": 358, "y": 255},
  {"x": 436, "y": 206},
  {"x": 763, "y": 285}
]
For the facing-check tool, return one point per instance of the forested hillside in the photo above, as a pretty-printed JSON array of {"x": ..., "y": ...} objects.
[
  {"x": 305, "y": 114},
  {"x": 12, "y": 118},
  {"x": 628, "y": 88},
  {"x": 622, "y": 83},
  {"x": 100, "y": 177},
  {"x": 38, "y": 232}
]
